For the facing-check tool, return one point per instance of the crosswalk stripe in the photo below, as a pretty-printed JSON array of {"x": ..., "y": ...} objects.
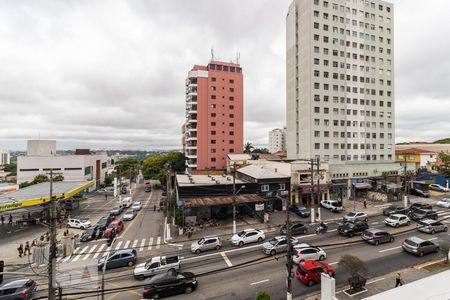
[
  {"x": 135, "y": 244},
  {"x": 99, "y": 250},
  {"x": 142, "y": 245},
  {"x": 118, "y": 245},
  {"x": 79, "y": 254},
  {"x": 66, "y": 259},
  {"x": 150, "y": 244},
  {"x": 127, "y": 244},
  {"x": 158, "y": 241},
  {"x": 89, "y": 252}
]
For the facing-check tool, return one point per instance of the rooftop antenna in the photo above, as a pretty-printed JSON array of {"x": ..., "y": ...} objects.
[
  {"x": 212, "y": 53},
  {"x": 238, "y": 56}
]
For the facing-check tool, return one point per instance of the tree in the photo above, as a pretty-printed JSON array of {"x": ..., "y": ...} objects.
[
  {"x": 261, "y": 150},
  {"x": 352, "y": 265},
  {"x": 445, "y": 167},
  {"x": 445, "y": 248},
  {"x": 11, "y": 168},
  {"x": 24, "y": 184},
  {"x": 262, "y": 295},
  {"x": 40, "y": 178},
  {"x": 59, "y": 177},
  {"x": 157, "y": 166},
  {"x": 127, "y": 167},
  {"x": 248, "y": 148}
]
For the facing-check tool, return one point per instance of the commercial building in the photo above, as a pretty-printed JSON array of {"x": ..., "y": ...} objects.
[
  {"x": 340, "y": 80},
  {"x": 420, "y": 157},
  {"x": 4, "y": 158},
  {"x": 214, "y": 115},
  {"x": 41, "y": 157},
  {"x": 277, "y": 140}
]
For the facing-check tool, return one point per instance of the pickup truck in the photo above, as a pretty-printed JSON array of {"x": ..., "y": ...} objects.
[{"x": 156, "y": 265}]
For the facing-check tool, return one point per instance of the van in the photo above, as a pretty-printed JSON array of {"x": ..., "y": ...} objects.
[{"x": 127, "y": 202}]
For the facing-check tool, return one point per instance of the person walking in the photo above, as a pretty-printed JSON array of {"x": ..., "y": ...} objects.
[
  {"x": 398, "y": 279},
  {"x": 27, "y": 248},
  {"x": 10, "y": 219},
  {"x": 365, "y": 203},
  {"x": 20, "y": 249},
  {"x": 154, "y": 207}
]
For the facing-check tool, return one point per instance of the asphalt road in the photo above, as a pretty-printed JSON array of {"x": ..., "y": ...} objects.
[{"x": 230, "y": 273}]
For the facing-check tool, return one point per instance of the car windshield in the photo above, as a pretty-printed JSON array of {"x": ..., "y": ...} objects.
[
  {"x": 84, "y": 220},
  {"x": 273, "y": 241},
  {"x": 115, "y": 208},
  {"x": 201, "y": 241},
  {"x": 335, "y": 204},
  {"x": 114, "y": 225},
  {"x": 89, "y": 231},
  {"x": 411, "y": 243},
  {"x": 102, "y": 221},
  {"x": 136, "y": 203},
  {"x": 394, "y": 217},
  {"x": 349, "y": 225},
  {"x": 352, "y": 214},
  {"x": 130, "y": 212},
  {"x": 241, "y": 234}
]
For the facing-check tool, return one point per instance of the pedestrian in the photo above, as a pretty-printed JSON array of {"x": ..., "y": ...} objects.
[
  {"x": 3, "y": 219},
  {"x": 29, "y": 216},
  {"x": 42, "y": 238},
  {"x": 10, "y": 219},
  {"x": 154, "y": 207},
  {"x": 20, "y": 249},
  {"x": 398, "y": 280},
  {"x": 106, "y": 197},
  {"x": 27, "y": 248},
  {"x": 365, "y": 203}
]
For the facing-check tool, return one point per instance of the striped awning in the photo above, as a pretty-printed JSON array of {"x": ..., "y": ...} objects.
[{"x": 222, "y": 200}]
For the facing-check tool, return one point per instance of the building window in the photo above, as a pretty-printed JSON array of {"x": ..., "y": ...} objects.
[
  {"x": 29, "y": 170},
  {"x": 231, "y": 142},
  {"x": 231, "y": 106},
  {"x": 87, "y": 170},
  {"x": 264, "y": 188},
  {"x": 231, "y": 89},
  {"x": 231, "y": 81},
  {"x": 213, "y": 159},
  {"x": 231, "y": 115},
  {"x": 317, "y": 109},
  {"x": 282, "y": 186},
  {"x": 213, "y": 141},
  {"x": 104, "y": 165},
  {"x": 231, "y": 98},
  {"x": 231, "y": 132},
  {"x": 213, "y": 123},
  {"x": 231, "y": 124},
  {"x": 213, "y": 96},
  {"x": 73, "y": 169},
  {"x": 213, "y": 78},
  {"x": 213, "y": 115},
  {"x": 213, "y": 150},
  {"x": 231, "y": 150},
  {"x": 316, "y": 145},
  {"x": 213, "y": 132}
]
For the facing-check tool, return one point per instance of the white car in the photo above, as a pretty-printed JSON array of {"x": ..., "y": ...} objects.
[
  {"x": 136, "y": 206},
  {"x": 78, "y": 223},
  {"x": 332, "y": 205},
  {"x": 444, "y": 203},
  {"x": 438, "y": 187},
  {"x": 304, "y": 252},
  {"x": 397, "y": 220},
  {"x": 129, "y": 215},
  {"x": 355, "y": 215},
  {"x": 248, "y": 236}
]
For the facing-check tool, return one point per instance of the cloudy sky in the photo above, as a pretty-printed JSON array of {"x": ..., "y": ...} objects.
[{"x": 110, "y": 74}]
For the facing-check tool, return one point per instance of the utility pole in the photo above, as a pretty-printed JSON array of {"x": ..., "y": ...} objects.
[
  {"x": 318, "y": 187},
  {"x": 312, "y": 191},
  {"x": 52, "y": 258},
  {"x": 288, "y": 253},
  {"x": 234, "y": 198},
  {"x": 405, "y": 197}
]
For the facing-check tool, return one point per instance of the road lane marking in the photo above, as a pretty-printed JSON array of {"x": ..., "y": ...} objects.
[
  {"x": 135, "y": 244},
  {"x": 332, "y": 230},
  {"x": 333, "y": 263},
  {"x": 158, "y": 242},
  {"x": 99, "y": 250},
  {"x": 150, "y": 244},
  {"x": 225, "y": 258},
  {"x": 118, "y": 245},
  {"x": 142, "y": 245},
  {"x": 175, "y": 245},
  {"x": 374, "y": 223},
  {"x": 79, "y": 254},
  {"x": 258, "y": 282},
  {"x": 89, "y": 252},
  {"x": 389, "y": 249},
  {"x": 432, "y": 239},
  {"x": 304, "y": 236},
  {"x": 70, "y": 256},
  {"x": 375, "y": 280},
  {"x": 127, "y": 244}
]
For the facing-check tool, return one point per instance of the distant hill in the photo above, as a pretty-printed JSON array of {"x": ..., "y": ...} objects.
[{"x": 443, "y": 141}]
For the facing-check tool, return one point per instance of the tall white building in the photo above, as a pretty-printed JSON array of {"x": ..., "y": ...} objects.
[
  {"x": 277, "y": 140},
  {"x": 4, "y": 158},
  {"x": 340, "y": 80}
]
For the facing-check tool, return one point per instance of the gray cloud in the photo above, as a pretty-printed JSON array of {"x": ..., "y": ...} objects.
[{"x": 111, "y": 74}]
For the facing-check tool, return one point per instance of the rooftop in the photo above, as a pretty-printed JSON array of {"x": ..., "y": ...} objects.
[
  {"x": 193, "y": 180},
  {"x": 260, "y": 172}
]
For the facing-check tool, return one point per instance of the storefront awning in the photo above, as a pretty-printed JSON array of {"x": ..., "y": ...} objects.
[
  {"x": 222, "y": 200},
  {"x": 362, "y": 185}
]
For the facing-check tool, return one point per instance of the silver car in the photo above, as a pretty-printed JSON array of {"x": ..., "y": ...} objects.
[
  {"x": 129, "y": 215},
  {"x": 356, "y": 215},
  {"x": 431, "y": 226},
  {"x": 419, "y": 247},
  {"x": 206, "y": 243},
  {"x": 277, "y": 244}
]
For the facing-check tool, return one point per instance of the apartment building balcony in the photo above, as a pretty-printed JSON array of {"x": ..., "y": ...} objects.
[
  {"x": 191, "y": 100},
  {"x": 191, "y": 162}
]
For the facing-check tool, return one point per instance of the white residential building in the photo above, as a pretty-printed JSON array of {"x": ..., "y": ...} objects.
[
  {"x": 41, "y": 157},
  {"x": 277, "y": 140},
  {"x": 340, "y": 80},
  {"x": 4, "y": 158}
]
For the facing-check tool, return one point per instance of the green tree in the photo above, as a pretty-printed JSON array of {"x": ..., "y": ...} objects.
[
  {"x": 445, "y": 248},
  {"x": 352, "y": 265},
  {"x": 59, "y": 177},
  {"x": 445, "y": 167},
  {"x": 11, "y": 168},
  {"x": 24, "y": 184},
  {"x": 40, "y": 178},
  {"x": 127, "y": 167},
  {"x": 248, "y": 148},
  {"x": 261, "y": 150},
  {"x": 157, "y": 166},
  {"x": 262, "y": 295}
]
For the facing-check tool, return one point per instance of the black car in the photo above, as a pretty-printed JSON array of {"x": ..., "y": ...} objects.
[
  {"x": 300, "y": 210},
  {"x": 296, "y": 228},
  {"x": 90, "y": 234},
  {"x": 395, "y": 209},
  {"x": 18, "y": 289},
  {"x": 352, "y": 228},
  {"x": 420, "y": 193},
  {"x": 168, "y": 284},
  {"x": 104, "y": 222},
  {"x": 420, "y": 214},
  {"x": 148, "y": 188},
  {"x": 413, "y": 207}
]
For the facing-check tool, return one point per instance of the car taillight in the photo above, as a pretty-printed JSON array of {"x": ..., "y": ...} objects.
[
  {"x": 297, "y": 254},
  {"x": 373, "y": 235},
  {"x": 146, "y": 290},
  {"x": 418, "y": 249},
  {"x": 24, "y": 292}
]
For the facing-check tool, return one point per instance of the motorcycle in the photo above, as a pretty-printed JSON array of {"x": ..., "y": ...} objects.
[{"x": 321, "y": 229}]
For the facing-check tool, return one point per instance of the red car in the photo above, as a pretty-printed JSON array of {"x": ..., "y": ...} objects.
[
  {"x": 309, "y": 272},
  {"x": 116, "y": 225}
]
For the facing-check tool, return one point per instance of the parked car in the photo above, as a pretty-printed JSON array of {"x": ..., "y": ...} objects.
[
  {"x": 248, "y": 236},
  {"x": 116, "y": 225},
  {"x": 376, "y": 236},
  {"x": 18, "y": 289},
  {"x": 352, "y": 228},
  {"x": 332, "y": 205},
  {"x": 420, "y": 214},
  {"x": 156, "y": 265},
  {"x": 120, "y": 258},
  {"x": 137, "y": 205},
  {"x": 300, "y": 210},
  {"x": 417, "y": 246},
  {"x": 169, "y": 284},
  {"x": 309, "y": 272},
  {"x": 431, "y": 226},
  {"x": 356, "y": 215},
  {"x": 444, "y": 203},
  {"x": 206, "y": 243},
  {"x": 420, "y": 193},
  {"x": 296, "y": 228},
  {"x": 78, "y": 223},
  {"x": 395, "y": 209},
  {"x": 415, "y": 206},
  {"x": 277, "y": 245},
  {"x": 129, "y": 215},
  {"x": 104, "y": 222},
  {"x": 397, "y": 220},
  {"x": 90, "y": 234},
  {"x": 148, "y": 188},
  {"x": 303, "y": 252},
  {"x": 438, "y": 187},
  {"x": 115, "y": 211}
]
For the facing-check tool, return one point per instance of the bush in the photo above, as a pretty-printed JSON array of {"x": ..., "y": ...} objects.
[
  {"x": 262, "y": 295},
  {"x": 444, "y": 250}
]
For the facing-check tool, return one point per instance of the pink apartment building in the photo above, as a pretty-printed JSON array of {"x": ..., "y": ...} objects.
[{"x": 214, "y": 116}]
